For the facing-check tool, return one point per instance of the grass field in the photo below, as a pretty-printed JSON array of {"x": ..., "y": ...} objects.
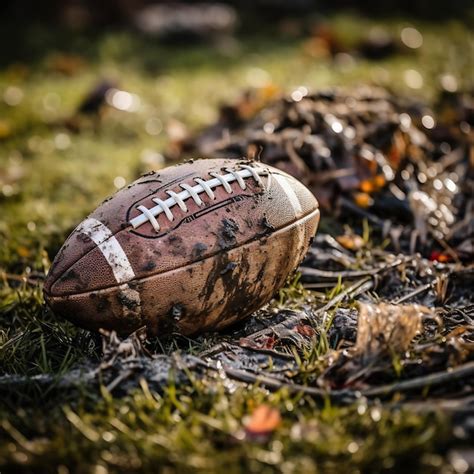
[{"x": 56, "y": 167}]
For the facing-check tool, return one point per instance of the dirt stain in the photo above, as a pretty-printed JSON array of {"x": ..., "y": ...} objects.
[
  {"x": 199, "y": 250},
  {"x": 170, "y": 323},
  {"x": 227, "y": 233}
]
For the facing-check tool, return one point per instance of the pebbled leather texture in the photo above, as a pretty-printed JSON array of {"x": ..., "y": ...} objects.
[{"x": 209, "y": 267}]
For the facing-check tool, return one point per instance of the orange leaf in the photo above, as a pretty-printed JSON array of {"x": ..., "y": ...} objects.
[
  {"x": 264, "y": 420},
  {"x": 305, "y": 330},
  {"x": 269, "y": 91},
  {"x": 440, "y": 257},
  {"x": 5, "y": 128},
  {"x": 351, "y": 242},
  {"x": 23, "y": 251},
  {"x": 379, "y": 181},
  {"x": 366, "y": 186},
  {"x": 362, "y": 199}
]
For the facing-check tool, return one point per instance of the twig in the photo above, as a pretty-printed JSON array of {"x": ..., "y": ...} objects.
[
  {"x": 448, "y": 249},
  {"x": 317, "y": 286},
  {"x": 223, "y": 347},
  {"x": 20, "y": 278},
  {"x": 431, "y": 380},
  {"x": 334, "y": 276},
  {"x": 118, "y": 380},
  {"x": 308, "y": 271},
  {"x": 450, "y": 405},
  {"x": 354, "y": 290},
  {"x": 354, "y": 209},
  {"x": 273, "y": 383},
  {"x": 415, "y": 292}
]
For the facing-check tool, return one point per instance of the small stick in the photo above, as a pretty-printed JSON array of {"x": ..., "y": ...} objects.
[
  {"x": 118, "y": 380},
  {"x": 415, "y": 292},
  {"x": 461, "y": 372},
  {"x": 308, "y": 271},
  {"x": 430, "y": 380},
  {"x": 273, "y": 383},
  {"x": 19, "y": 278}
]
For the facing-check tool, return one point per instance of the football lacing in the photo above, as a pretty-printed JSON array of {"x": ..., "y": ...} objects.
[{"x": 150, "y": 215}]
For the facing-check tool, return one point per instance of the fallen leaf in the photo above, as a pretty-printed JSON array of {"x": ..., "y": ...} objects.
[
  {"x": 385, "y": 328},
  {"x": 5, "y": 129},
  {"x": 362, "y": 200},
  {"x": 263, "y": 421},
  {"x": 266, "y": 343},
  {"x": 367, "y": 186},
  {"x": 269, "y": 342},
  {"x": 351, "y": 242},
  {"x": 379, "y": 181},
  {"x": 440, "y": 257},
  {"x": 67, "y": 64},
  {"x": 305, "y": 330},
  {"x": 23, "y": 251}
]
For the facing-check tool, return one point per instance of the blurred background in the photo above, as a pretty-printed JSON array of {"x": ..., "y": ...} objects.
[
  {"x": 93, "y": 94},
  {"x": 369, "y": 103}
]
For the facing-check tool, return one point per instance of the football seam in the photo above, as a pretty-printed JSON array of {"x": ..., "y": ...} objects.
[
  {"x": 163, "y": 206},
  {"x": 302, "y": 219},
  {"x": 114, "y": 234}
]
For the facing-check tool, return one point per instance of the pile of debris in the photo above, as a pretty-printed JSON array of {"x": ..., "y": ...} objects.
[
  {"x": 411, "y": 333},
  {"x": 406, "y": 169},
  {"x": 365, "y": 322}
]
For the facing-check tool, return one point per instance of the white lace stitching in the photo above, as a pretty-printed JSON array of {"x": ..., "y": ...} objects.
[
  {"x": 223, "y": 181},
  {"x": 150, "y": 215}
]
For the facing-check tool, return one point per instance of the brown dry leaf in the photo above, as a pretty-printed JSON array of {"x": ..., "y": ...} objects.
[
  {"x": 178, "y": 135},
  {"x": 398, "y": 149},
  {"x": 386, "y": 328},
  {"x": 263, "y": 421},
  {"x": 23, "y": 251},
  {"x": 269, "y": 91},
  {"x": 269, "y": 342},
  {"x": 305, "y": 330},
  {"x": 265, "y": 343},
  {"x": 67, "y": 64},
  {"x": 256, "y": 99},
  {"x": 5, "y": 128},
  {"x": 316, "y": 48}
]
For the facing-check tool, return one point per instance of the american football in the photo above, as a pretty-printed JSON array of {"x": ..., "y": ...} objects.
[{"x": 190, "y": 248}]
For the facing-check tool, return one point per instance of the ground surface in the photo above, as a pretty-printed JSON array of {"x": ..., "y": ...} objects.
[{"x": 57, "y": 165}]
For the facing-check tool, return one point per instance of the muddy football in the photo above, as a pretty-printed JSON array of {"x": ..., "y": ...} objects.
[{"x": 191, "y": 248}]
